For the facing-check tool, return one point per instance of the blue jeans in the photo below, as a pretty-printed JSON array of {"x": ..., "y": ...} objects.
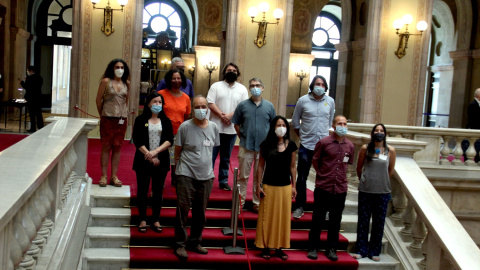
[
  {"x": 227, "y": 141},
  {"x": 303, "y": 168}
]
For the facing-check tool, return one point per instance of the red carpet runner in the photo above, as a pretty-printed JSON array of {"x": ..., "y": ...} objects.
[{"x": 160, "y": 253}]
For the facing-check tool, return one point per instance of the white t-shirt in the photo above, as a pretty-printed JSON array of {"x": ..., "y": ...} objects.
[{"x": 226, "y": 98}]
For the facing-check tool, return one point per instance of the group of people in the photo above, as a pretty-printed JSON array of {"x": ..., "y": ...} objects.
[{"x": 167, "y": 138}]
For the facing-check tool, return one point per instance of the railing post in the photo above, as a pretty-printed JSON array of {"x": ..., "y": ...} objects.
[
  {"x": 408, "y": 219},
  {"x": 445, "y": 151},
  {"x": 419, "y": 231},
  {"x": 399, "y": 202},
  {"x": 471, "y": 152},
  {"x": 458, "y": 151}
]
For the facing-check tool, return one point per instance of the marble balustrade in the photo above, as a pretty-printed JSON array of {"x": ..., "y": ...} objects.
[
  {"x": 442, "y": 142},
  {"x": 421, "y": 228},
  {"x": 36, "y": 178}
]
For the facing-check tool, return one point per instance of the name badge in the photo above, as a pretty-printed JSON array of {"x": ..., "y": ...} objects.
[
  {"x": 345, "y": 159},
  {"x": 121, "y": 121},
  {"x": 382, "y": 157},
  {"x": 206, "y": 142}
]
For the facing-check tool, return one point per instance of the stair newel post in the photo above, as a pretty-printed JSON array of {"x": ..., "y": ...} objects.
[
  {"x": 445, "y": 150},
  {"x": 458, "y": 151},
  {"x": 419, "y": 232},
  {"x": 409, "y": 217},
  {"x": 471, "y": 152},
  {"x": 399, "y": 202},
  {"x": 235, "y": 208}
]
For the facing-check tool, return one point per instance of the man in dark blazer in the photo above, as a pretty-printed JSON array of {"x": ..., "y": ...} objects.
[
  {"x": 33, "y": 94},
  {"x": 473, "y": 119}
]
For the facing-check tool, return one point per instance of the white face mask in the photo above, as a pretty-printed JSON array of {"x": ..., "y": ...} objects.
[
  {"x": 200, "y": 114},
  {"x": 119, "y": 73},
  {"x": 280, "y": 131}
]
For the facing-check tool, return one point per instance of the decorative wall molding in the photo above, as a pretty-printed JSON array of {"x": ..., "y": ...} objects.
[
  {"x": 359, "y": 44},
  {"x": 382, "y": 62},
  {"x": 461, "y": 54},
  {"x": 85, "y": 56},
  {"x": 441, "y": 68},
  {"x": 344, "y": 46}
]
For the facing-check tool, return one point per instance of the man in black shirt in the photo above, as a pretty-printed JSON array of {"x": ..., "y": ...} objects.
[{"x": 33, "y": 95}]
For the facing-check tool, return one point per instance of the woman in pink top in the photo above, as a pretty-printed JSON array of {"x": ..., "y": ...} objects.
[
  {"x": 112, "y": 100},
  {"x": 177, "y": 107}
]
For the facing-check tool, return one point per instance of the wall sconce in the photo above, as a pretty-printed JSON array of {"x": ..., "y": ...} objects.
[
  {"x": 405, "y": 21},
  {"x": 165, "y": 62},
  {"x": 211, "y": 68},
  {"x": 262, "y": 25},
  {"x": 108, "y": 15},
  {"x": 301, "y": 73}
]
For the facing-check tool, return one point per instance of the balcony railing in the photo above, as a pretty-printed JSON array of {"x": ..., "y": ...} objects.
[{"x": 37, "y": 176}]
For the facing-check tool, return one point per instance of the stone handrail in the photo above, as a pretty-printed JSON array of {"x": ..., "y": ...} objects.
[
  {"x": 439, "y": 142},
  {"x": 36, "y": 178},
  {"x": 420, "y": 219}
]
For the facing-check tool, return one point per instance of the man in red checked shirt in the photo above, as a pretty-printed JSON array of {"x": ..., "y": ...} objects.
[{"x": 331, "y": 158}]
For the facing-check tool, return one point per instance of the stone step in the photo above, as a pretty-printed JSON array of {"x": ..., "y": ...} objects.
[
  {"x": 107, "y": 237},
  {"x": 105, "y": 258},
  {"x": 352, "y": 240},
  {"x": 118, "y": 258},
  {"x": 109, "y": 196}
]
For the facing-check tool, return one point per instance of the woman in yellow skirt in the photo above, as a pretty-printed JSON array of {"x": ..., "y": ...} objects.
[{"x": 276, "y": 176}]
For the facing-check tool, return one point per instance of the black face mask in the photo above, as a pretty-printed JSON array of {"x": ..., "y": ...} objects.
[
  {"x": 379, "y": 137},
  {"x": 231, "y": 76}
]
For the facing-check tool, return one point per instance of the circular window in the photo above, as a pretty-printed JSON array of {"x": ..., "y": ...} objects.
[
  {"x": 320, "y": 37},
  {"x": 159, "y": 24}
]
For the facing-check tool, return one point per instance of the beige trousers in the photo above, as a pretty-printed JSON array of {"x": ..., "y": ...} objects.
[{"x": 245, "y": 160}]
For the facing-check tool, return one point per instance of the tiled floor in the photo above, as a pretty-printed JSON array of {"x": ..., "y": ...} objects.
[{"x": 58, "y": 108}]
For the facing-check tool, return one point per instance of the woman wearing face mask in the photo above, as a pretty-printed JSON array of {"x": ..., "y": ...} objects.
[
  {"x": 152, "y": 135},
  {"x": 177, "y": 108},
  {"x": 375, "y": 166},
  {"x": 112, "y": 100},
  {"x": 277, "y": 172}
]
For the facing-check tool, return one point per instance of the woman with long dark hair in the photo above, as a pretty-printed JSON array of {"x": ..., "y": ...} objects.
[
  {"x": 178, "y": 106},
  {"x": 152, "y": 135},
  {"x": 112, "y": 100},
  {"x": 375, "y": 166},
  {"x": 277, "y": 173}
]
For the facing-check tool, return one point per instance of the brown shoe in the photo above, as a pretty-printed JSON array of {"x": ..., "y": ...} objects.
[
  {"x": 115, "y": 182},
  {"x": 181, "y": 253},
  {"x": 103, "y": 181},
  {"x": 198, "y": 249}
]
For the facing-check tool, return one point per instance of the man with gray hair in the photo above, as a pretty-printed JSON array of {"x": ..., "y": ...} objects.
[
  {"x": 177, "y": 63},
  {"x": 251, "y": 120}
]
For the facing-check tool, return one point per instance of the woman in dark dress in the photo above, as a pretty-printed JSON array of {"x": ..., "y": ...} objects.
[
  {"x": 277, "y": 173},
  {"x": 152, "y": 135}
]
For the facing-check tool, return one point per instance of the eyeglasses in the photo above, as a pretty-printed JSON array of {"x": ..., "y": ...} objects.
[{"x": 255, "y": 85}]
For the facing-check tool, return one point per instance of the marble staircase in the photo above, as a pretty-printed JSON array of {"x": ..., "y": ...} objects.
[{"x": 108, "y": 233}]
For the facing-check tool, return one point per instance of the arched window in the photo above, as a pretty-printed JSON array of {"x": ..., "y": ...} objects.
[
  {"x": 163, "y": 16},
  {"x": 59, "y": 20},
  {"x": 326, "y": 34}
]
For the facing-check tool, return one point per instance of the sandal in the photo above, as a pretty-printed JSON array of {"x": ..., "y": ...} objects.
[
  {"x": 103, "y": 181},
  {"x": 282, "y": 255},
  {"x": 376, "y": 258},
  {"x": 115, "y": 181},
  {"x": 157, "y": 229},
  {"x": 357, "y": 256},
  {"x": 266, "y": 254},
  {"x": 143, "y": 229}
]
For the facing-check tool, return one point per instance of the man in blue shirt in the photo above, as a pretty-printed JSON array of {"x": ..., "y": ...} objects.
[
  {"x": 251, "y": 121},
  {"x": 315, "y": 110},
  {"x": 177, "y": 63}
]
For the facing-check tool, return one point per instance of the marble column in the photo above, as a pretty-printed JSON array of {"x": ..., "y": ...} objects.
[
  {"x": 18, "y": 49},
  {"x": 285, "y": 58},
  {"x": 462, "y": 72},
  {"x": 343, "y": 75}
]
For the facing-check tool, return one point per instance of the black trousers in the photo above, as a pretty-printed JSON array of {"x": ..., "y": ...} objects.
[
  {"x": 36, "y": 118},
  {"x": 143, "y": 183},
  {"x": 324, "y": 202}
]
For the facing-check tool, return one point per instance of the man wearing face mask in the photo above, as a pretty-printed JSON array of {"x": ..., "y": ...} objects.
[
  {"x": 33, "y": 95},
  {"x": 223, "y": 98},
  {"x": 331, "y": 158},
  {"x": 177, "y": 63},
  {"x": 194, "y": 144},
  {"x": 251, "y": 120},
  {"x": 315, "y": 110}
]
